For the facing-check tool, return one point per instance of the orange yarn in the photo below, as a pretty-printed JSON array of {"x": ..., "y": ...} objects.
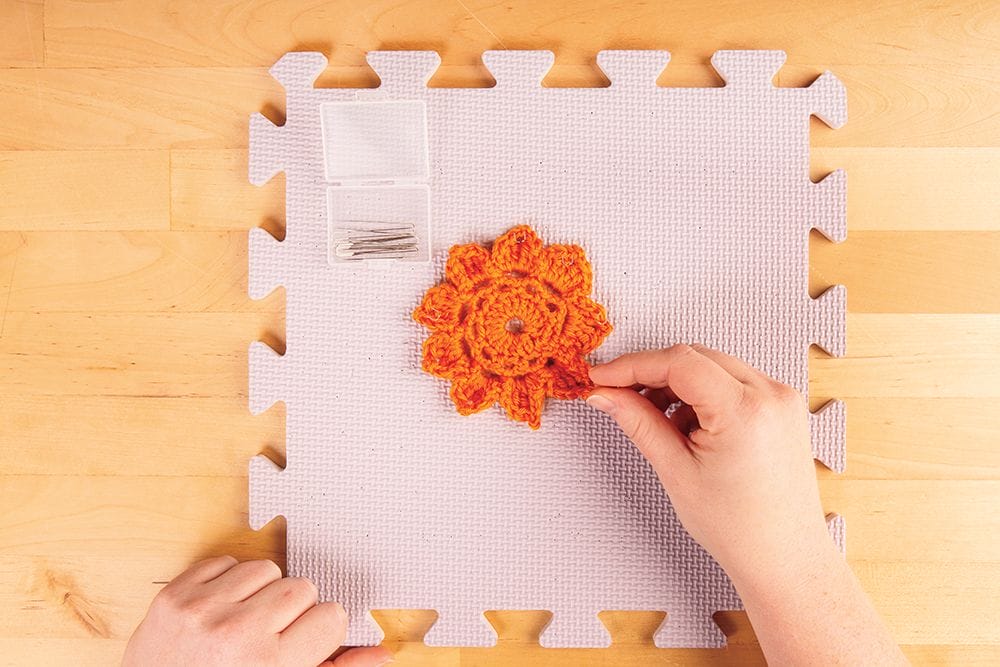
[{"x": 510, "y": 325}]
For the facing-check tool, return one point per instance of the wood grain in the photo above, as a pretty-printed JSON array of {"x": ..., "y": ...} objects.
[
  {"x": 910, "y": 273},
  {"x": 934, "y": 438},
  {"x": 209, "y": 190},
  {"x": 204, "y": 355},
  {"x": 80, "y": 33},
  {"x": 92, "y": 651},
  {"x": 73, "y": 534},
  {"x": 124, "y": 320},
  {"x": 85, "y": 190},
  {"x": 906, "y": 105},
  {"x": 888, "y": 519},
  {"x": 890, "y": 438},
  {"x": 132, "y": 354},
  {"x": 78, "y": 109},
  {"x": 22, "y": 31},
  {"x": 912, "y": 355},
  {"x": 901, "y": 189},
  {"x": 206, "y": 271},
  {"x": 123, "y": 272},
  {"x": 889, "y": 189}
]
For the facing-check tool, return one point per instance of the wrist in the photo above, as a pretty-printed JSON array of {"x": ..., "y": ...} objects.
[{"x": 792, "y": 563}]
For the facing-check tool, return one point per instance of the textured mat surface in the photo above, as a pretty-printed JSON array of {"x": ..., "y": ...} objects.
[{"x": 694, "y": 207}]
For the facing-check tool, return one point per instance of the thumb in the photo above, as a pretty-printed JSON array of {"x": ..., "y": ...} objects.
[{"x": 656, "y": 437}]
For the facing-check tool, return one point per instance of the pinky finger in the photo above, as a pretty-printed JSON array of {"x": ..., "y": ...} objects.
[
  {"x": 366, "y": 656},
  {"x": 314, "y": 635}
]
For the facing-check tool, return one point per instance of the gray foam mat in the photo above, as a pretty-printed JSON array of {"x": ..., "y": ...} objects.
[{"x": 694, "y": 206}]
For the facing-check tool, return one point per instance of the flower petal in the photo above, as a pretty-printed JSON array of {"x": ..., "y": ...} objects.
[
  {"x": 570, "y": 377},
  {"x": 565, "y": 269},
  {"x": 586, "y": 325},
  {"x": 440, "y": 308},
  {"x": 445, "y": 356},
  {"x": 516, "y": 251},
  {"x": 524, "y": 397},
  {"x": 466, "y": 266},
  {"x": 475, "y": 392}
]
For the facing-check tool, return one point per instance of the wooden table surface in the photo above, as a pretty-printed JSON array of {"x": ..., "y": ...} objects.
[{"x": 124, "y": 319}]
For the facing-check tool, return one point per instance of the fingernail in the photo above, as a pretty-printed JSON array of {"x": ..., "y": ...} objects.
[
  {"x": 340, "y": 610},
  {"x": 601, "y": 403},
  {"x": 386, "y": 660}
]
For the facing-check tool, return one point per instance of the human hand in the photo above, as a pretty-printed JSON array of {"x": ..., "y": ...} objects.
[
  {"x": 735, "y": 459},
  {"x": 221, "y": 612}
]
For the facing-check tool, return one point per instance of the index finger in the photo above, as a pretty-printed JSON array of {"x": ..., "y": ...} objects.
[
  {"x": 204, "y": 571},
  {"x": 694, "y": 378}
]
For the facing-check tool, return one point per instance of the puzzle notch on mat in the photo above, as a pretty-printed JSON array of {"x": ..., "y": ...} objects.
[{"x": 322, "y": 442}]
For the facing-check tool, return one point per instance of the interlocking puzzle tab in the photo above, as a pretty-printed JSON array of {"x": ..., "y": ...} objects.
[{"x": 392, "y": 499}]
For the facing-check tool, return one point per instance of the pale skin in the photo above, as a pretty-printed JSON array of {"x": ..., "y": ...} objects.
[{"x": 736, "y": 462}]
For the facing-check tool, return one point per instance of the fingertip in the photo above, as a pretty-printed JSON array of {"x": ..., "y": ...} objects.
[
  {"x": 596, "y": 372},
  {"x": 337, "y": 609},
  {"x": 641, "y": 421},
  {"x": 366, "y": 656},
  {"x": 600, "y": 400}
]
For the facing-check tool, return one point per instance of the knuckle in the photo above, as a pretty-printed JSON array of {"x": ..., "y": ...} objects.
[
  {"x": 193, "y": 612},
  {"x": 227, "y": 559},
  {"x": 337, "y": 619},
  {"x": 637, "y": 431},
  {"x": 682, "y": 349},
  {"x": 752, "y": 403},
  {"x": 262, "y": 568},
  {"x": 169, "y": 597},
  {"x": 302, "y": 589},
  {"x": 228, "y": 627},
  {"x": 788, "y": 396},
  {"x": 631, "y": 425}
]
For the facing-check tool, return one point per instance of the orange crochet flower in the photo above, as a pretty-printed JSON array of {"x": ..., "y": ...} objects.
[{"x": 511, "y": 324}]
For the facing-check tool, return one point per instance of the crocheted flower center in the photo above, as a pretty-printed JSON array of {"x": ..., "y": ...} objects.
[{"x": 513, "y": 325}]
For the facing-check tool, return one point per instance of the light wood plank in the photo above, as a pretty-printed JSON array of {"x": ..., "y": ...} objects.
[
  {"x": 734, "y": 656},
  {"x": 916, "y": 356},
  {"x": 138, "y": 526},
  {"x": 938, "y": 105},
  {"x": 204, "y": 354},
  {"x": 887, "y": 438},
  {"x": 914, "y": 272},
  {"x": 916, "y": 189},
  {"x": 51, "y": 108},
  {"x": 62, "y": 109},
  {"x": 190, "y": 33},
  {"x": 123, "y": 352},
  {"x": 92, "y": 190},
  {"x": 124, "y": 435},
  {"x": 102, "y": 652},
  {"x": 170, "y": 520},
  {"x": 210, "y": 190},
  {"x": 889, "y": 189},
  {"x": 913, "y": 521},
  {"x": 206, "y": 271},
  {"x": 127, "y": 272},
  {"x": 930, "y": 604},
  {"x": 921, "y": 520},
  {"x": 167, "y": 355},
  {"x": 22, "y": 33},
  {"x": 934, "y": 438}
]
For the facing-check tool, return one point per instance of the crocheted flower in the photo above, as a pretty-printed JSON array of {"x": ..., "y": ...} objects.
[{"x": 511, "y": 324}]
